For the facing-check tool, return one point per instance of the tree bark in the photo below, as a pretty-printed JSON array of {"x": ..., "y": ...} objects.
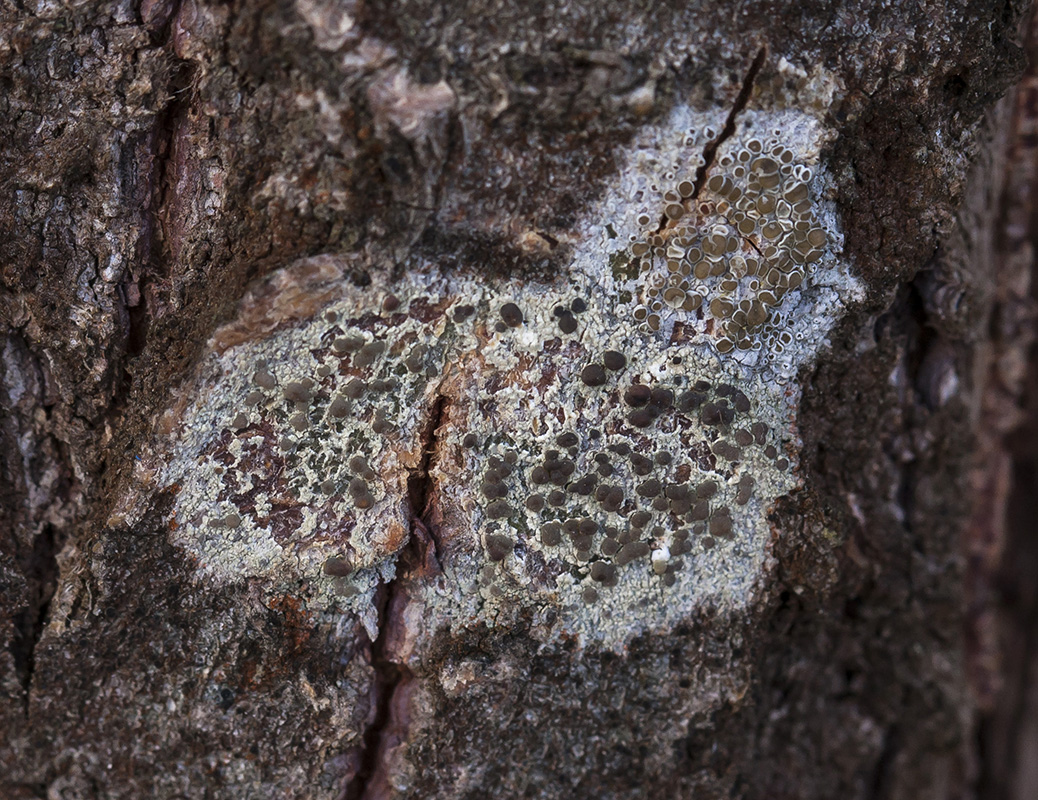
[{"x": 602, "y": 400}]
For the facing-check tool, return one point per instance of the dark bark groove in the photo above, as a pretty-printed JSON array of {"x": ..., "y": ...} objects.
[{"x": 391, "y": 676}]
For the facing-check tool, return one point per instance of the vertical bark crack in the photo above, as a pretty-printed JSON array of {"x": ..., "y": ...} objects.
[
  {"x": 155, "y": 251},
  {"x": 883, "y": 773},
  {"x": 41, "y": 573},
  {"x": 388, "y": 678},
  {"x": 710, "y": 151},
  {"x": 148, "y": 275},
  {"x": 420, "y": 484},
  {"x": 388, "y": 725}
]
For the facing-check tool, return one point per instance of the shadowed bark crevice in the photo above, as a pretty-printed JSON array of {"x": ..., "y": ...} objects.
[
  {"x": 421, "y": 484},
  {"x": 41, "y": 574},
  {"x": 388, "y": 679},
  {"x": 710, "y": 151},
  {"x": 157, "y": 236},
  {"x": 391, "y": 676},
  {"x": 883, "y": 775}
]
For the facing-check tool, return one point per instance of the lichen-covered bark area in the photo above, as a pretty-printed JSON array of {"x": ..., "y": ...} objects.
[{"x": 424, "y": 400}]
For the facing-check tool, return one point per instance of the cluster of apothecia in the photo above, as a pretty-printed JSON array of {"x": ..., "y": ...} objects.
[
  {"x": 655, "y": 476},
  {"x": 728, "y": 252},
  {"x": 604, "y": 427},
  {"x": 658, "y": 475}
]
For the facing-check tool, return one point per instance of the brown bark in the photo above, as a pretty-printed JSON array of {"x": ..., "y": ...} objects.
[{"x": 164, "y": 167}]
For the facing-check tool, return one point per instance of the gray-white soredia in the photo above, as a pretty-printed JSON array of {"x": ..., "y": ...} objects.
[{"x": 610, "y": 443}]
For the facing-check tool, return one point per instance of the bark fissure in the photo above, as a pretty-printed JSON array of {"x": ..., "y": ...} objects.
[
  {"x": 883, "y": 774},
  {"x": 159, "y": 254},
  {"x": 163, "y": 158},
  {"x": 421, "y": 483},
  {"x": 710, "y": 151},
  {"x": 153, "y": 257},
  {"x": 388, "y": 677},
  {"x": 41, "y": 574},
  {"x": 391, "y": 676}
]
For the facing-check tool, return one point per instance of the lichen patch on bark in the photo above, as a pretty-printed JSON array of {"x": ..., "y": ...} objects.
[{"x": 616, "y": 436}]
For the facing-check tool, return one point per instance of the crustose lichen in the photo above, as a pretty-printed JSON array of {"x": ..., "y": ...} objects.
[{"x": 612, "y": 440}]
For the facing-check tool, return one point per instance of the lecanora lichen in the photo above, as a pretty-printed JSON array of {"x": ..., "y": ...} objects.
[{"x": 613, "y": 439}]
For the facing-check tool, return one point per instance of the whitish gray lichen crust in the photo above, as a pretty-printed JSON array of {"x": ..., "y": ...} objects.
[{"x": 611, "y": 442}]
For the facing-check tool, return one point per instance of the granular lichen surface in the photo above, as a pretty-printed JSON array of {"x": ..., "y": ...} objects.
[{"x": 610, "y": 441}]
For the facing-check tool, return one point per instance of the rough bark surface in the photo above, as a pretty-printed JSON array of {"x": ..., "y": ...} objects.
[{"x": 218, "y": 220}]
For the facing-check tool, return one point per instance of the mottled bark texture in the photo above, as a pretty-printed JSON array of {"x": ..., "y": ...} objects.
[{"x": 198, "y": 600}]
